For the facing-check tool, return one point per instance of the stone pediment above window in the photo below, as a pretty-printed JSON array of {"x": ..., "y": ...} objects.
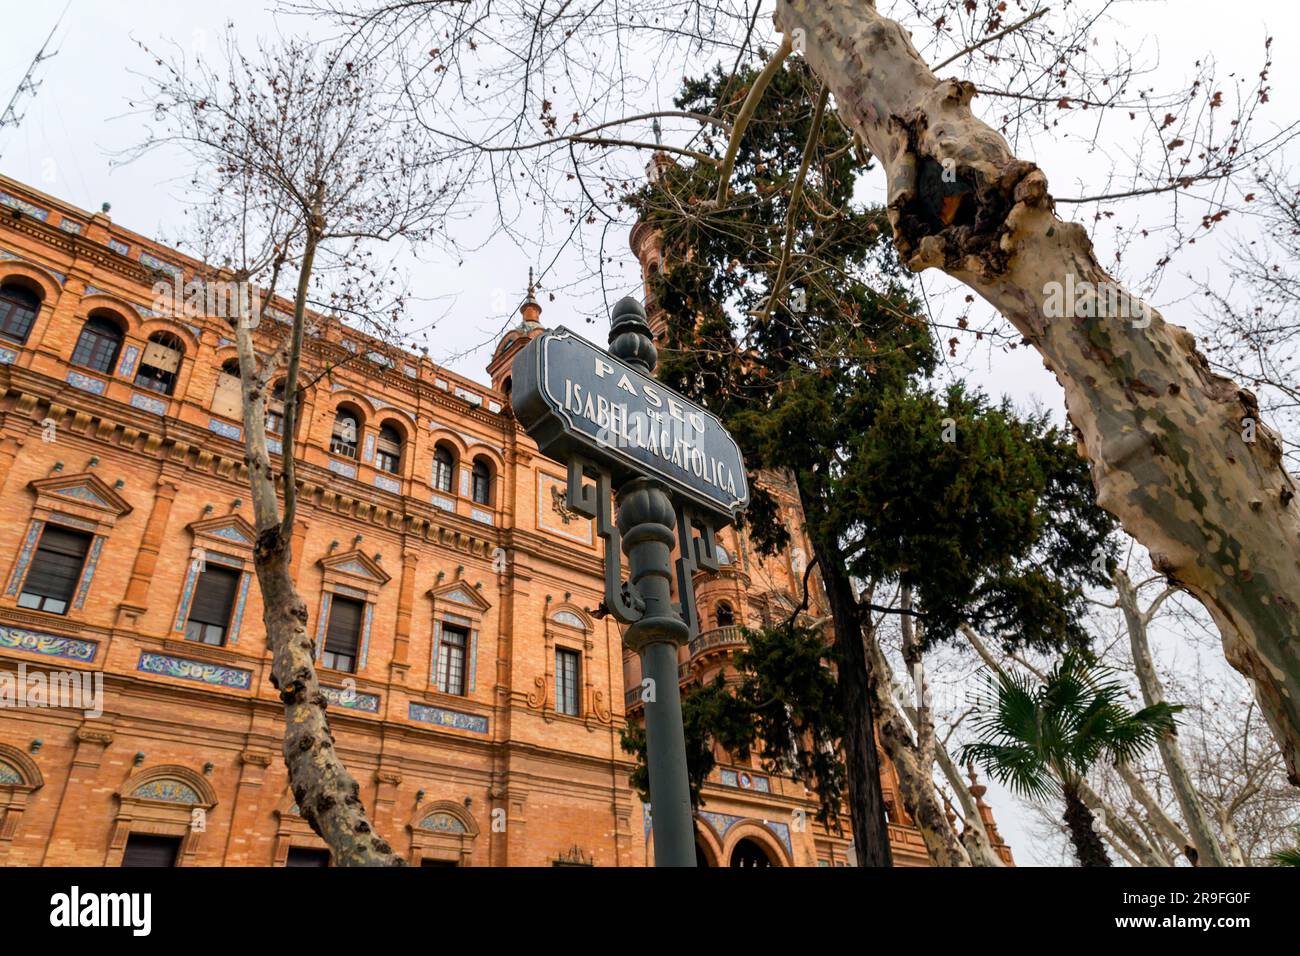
[
  {"x": 86, "y": 494},
  {"x": 356, "y": 567},
  {"x": 228, "y": 530},
  {"x": 459, "y": 594}
]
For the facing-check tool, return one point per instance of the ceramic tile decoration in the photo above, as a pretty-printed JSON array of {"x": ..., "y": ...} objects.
[
  {"x": 443, "y": 717},
  {"x": 47, "y": 645},
  {"x": 201, "y": 672}
]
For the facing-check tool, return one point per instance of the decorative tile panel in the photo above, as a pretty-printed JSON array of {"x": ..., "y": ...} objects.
[
  {"x": 168, "y": 791},
  {"x": 70, "y": 225},
  {"x": 473, "y": 660},
  {"x": 410, "y": 371},
  {"x": 200, "y": 672},
  {"x": 7, "y": 356},
  {"x": 130, "y": 355},
  {"x": 722, "y": 822},
  {"x": 443, "y": 502},
  {"x": 442, "y": 822},
  {"x": 365, "y": 637},
  {"x": 81, "y": 493},
  {"x": 388, "y": 484},
  {"x": 568, "y": 618},
  {"x": 47, "y": 645},
  {"x": 342, "y": 468},
  {"x": 88, "y": 572},
  {"x": 744, "y": 780},
  {"x": 368, "y": 454},
  {"x": 320, "y": 625},
  {"x": 121, "y": 248},
  {"x": 351, "y": 700},
  {"x": 153, "y": 262},
  {"x": 237, "y": 619},
  {"x": 443, "y": 717},
  {"x": 225, "y": 429},
  {"x": 86, "y": 383},
  {"x": 349, "y": 592},
  {"x": 9, "y": 776},
  {"x": 230, "y": 533},
  {"x": 22, "y": 205},
  {"x": 24, "y": 556},
  {"x": 481, "y": 516},
  {"x": 148, "y": 403},
  {"x": 187, "y": 595},
  {"x": 275, "y": 446}
]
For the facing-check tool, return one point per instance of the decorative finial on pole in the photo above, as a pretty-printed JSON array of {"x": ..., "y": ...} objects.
[
  {"x": 531, "y": 310},
  {"x": 630, "y": 338}
]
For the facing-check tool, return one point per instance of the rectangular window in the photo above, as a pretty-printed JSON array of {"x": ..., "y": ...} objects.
[
  {"x": 214, "y": 599},
  {"x": 343, "y": 636},
  {"x": 150, "y": 849},
  {"x": 451, "y": 660},
  {"x": 55, "y": 570},
  {"x": 566, "y": 681},
  {"x": 307, "y": 856}
]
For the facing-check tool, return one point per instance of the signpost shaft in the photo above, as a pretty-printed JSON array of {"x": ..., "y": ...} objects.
[{"x": 646, "y": 523}]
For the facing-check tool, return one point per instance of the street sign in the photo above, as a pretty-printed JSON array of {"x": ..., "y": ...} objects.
[{"x": 574, "y": 398}]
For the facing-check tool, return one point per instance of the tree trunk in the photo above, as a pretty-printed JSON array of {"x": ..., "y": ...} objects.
[
  {"x": 866, "y": 800},
  {"x": 328, "y": 796},
  {"x": 1205, "y": 849},
  {"x": 1178, "y": 453},
  {"x": 1088, "y": 845},
  {"x": 916, "y": 787}
]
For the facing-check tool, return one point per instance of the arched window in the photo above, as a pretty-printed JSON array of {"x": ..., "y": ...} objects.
[
  {"x": 275, "y": 410},
  {"x": 18, "y": 309},
  {"x": 726, "y": 616},
  {"x": 482, "y": 482},
  {"x": 444, "y": 467},
  {"x": 346, "y": 429},
  {"x": 226, "y": 400},
  {"x": 98, "y": 345},
  {"x": 161, "y": 363},
  {"x": 388, "y": 455}
]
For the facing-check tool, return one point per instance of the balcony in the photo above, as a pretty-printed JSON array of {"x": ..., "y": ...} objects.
[
  {"x": 718, "y": 637},
  {"x": 731, "y": 636}
]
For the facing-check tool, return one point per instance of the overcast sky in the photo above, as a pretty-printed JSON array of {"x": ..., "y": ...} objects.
[{"x": 80, "y": 120}]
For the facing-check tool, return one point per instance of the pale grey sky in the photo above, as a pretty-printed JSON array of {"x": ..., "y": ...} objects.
[{"x": 80, "y": 119}]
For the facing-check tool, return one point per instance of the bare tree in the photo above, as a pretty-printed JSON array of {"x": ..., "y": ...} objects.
[{"x": 299, "y": 171}]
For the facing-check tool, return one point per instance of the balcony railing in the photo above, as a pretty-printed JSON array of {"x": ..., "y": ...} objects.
[
  {"x": 718, "y": 637},
  {"x": 731, "y": 636}
]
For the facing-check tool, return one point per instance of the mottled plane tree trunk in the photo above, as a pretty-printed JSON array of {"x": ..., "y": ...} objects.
[{"x": 1178, "y": 453}]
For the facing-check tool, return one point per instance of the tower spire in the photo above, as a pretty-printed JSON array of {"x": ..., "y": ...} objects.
[{"x": 531, "y": 310}]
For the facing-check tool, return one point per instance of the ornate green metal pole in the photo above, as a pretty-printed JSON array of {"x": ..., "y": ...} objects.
[{"x": 648, "y": 526}]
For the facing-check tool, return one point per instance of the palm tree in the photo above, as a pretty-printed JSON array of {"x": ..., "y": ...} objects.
[
  {"x": 1041, "y": 740},
  {"x": 1291, "y": 855}
]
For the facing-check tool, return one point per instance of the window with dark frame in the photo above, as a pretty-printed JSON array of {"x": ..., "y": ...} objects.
[
  {"x": 307, "y": 856},
  {"x": 444, "y": 466},
  {"x": 343, "y": 635},
  {"x": 210, "y": 610},
  {"x": 451, "y": 659},
  {"x": 56, "y": 569},
  {"x": 18, "y": 310},
  {"x": 482, "y": 484},
  {"x": 151, "y": 849},
  {"x": 347, "y": 428},
  {"x": 566, "y": 681},
  {"x": 275, "y": 410},
  {"x": 98, "y": 345},
  {"x": 161, "y": 363},
  {"x": 388, "y": 455}
]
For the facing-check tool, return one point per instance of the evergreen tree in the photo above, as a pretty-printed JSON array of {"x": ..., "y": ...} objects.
[{"x": 787, "y": 317}]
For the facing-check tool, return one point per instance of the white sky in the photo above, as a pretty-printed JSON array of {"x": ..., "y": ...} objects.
[{"x": 80, "y": 119}]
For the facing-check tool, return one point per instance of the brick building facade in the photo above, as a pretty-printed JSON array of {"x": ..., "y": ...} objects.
[{"x": 474, "y": 696}]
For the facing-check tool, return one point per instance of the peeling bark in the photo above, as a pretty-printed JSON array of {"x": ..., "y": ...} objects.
[
  {"x": 1204, "y": 849},
  {"x": 327, "y": 794},
  {"x": 1178, "y": 453}
]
